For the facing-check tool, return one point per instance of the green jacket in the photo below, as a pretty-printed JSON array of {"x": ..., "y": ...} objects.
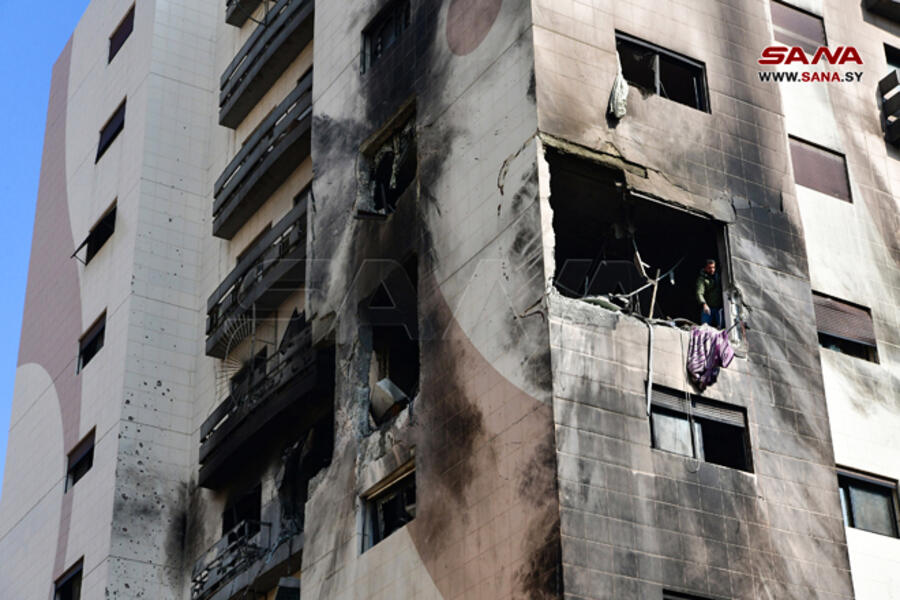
[{"x": 709, "y": 290}]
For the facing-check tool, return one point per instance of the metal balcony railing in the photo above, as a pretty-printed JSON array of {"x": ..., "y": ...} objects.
[
  {"x": 238, "y": 11},
  {"x": 289, "y": 374},
  {"x": 270, "y": 155},
  {"x": 889, "y": 89},
  {"x": 235, "y": 552},
  {"x": 271, "y": 270},
  {"x": 286, "y": 29}
]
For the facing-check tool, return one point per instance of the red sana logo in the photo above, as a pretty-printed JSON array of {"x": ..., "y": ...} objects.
[{"x": 783, "y": 55}]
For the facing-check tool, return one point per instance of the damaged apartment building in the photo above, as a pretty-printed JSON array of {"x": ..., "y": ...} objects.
[{"x": 396, "y": 299}]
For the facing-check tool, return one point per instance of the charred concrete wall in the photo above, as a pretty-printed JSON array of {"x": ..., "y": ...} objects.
[
  {"x": 480, "y": 428},
  {"x": 637, "y": 520}
]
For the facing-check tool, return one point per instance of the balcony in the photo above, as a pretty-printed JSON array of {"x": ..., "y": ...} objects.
[
  {"x": 886, "y": 8},
  {"x": 252, "y": 557},
  {"x": 273, "y": 269},
  {"x": 291, "y": 392},
  {"x": 270, "y": 155},
  {"x": 238, "y": 11},
  {"x": 286, "y": 30},
  {"x": 889, "y": 89}
]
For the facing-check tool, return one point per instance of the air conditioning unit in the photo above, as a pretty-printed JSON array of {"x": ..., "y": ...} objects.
[{"x": 386, "y": 400}]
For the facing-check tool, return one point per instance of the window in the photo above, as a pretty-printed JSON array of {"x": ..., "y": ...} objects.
[
  {"x": 892, "y": 56},
  {"x": 391, "y": 312},
  {"x": 820, "y": 169},
  {"x": 663, "y": 72},
  {"x": 709, "y": 431},
  {"x": 111, "y": 130},
  {"x": 80, "y": 461},
  {"x": 601, "y": 229},
  {"x": 241, "y": 518},
  {"x": 388, "y": 168},
  {"x": 868, "y": 503},
  {"x": 98, "y": 235},
  {"x": 795, "y": 27},
  {"x": 390, "y": 506},
  {"x": 845, "y": 328},
  {"x": 889, "y": 9},
  {"x": 117, "y": 39},
  {"x": 91, "y": 342},
  {"x": 68, "y": 586},
  {"x": 383, "y": 32}
]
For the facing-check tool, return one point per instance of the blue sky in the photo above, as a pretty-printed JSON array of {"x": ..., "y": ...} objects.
[{"x": 34, "y": 35}]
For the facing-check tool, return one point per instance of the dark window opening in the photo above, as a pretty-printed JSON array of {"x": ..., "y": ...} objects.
[
  {"x": 80, "y": 461},
  {"x": 662, "y": 72},
  {"x": 111, "y": 130},
  {"x": 844, "y": 327},
  {"x": 892, "y": 56},
  {"x": 389, "y": 169},
  {"x": 117, "y": 39},
  {"x": 383, "y": 32},
  {"x": 670, "y": 595},
  {"x": 709, "y": 431},
  {"x": 389, "y": 509},
  {"x": 868, "y": 503},
  {"x": 820, "y": 169},
  {"x": 98, "y": 235},
  {"x": 391, "y": 312},
  {"x": 600, "y": 230},
  {"x": 68, "y": 586},
  {"x": 795, "y": 27},
  {"x": 302, "y": 461},
  {"x": 91, "y": 342},
  {"x": 245, "y": 510}
]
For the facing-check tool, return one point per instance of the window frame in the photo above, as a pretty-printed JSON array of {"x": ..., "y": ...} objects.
[
  {"x": 695, "y": 423},
  {"x": 97, "y": 328},
  {"x": 792, "y": 139},
  {"x": 76, "y": 570},
  {"x": 95, "y": 228},
  {"x": 868, "y": 481},
  {"x": 389, "y": 487},
  {"x": 860, "y": 345},
  {"x": 801, "y": 38},
  {"x": 83, "y": 451},
  {"x": 386, "y": 13},
  {"x": 127, "y": 19},
  {"x": 674, "y": 595},
  {"x": 103, "y": 145},
  {"x": 701, "y": 93}
]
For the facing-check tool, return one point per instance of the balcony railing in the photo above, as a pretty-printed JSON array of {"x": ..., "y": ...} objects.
[
  {"x": 238, "y": 11},
  {"x": 286, "y": 30},
  {"x": 271, "y": 270},
  {"x": 270, "y": 155},
  {"x": 885, "y": 8},
  {"x": 889, "y": 88},
  {"x": 237, "y": 423},
  {"x": 237, "y": 550}
]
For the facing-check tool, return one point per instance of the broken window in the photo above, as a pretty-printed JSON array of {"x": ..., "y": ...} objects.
[
  {"x": 391, "y": 312},
  {"x": 111, "y": 130},
  {"x": 91, "y": 342},
  {"x": 709, "y": 431},
  {"x": 845, "y": 328},
  {"x": 868, "y": 503},
  {"x": 388, "y": 168},
  {"x": 68, "y": 586},
  {"x": 241, "y": 517},
  {"x": 390, "y": 506},
  {"x": 662, "y": 72},
  {"x": 80, "y": 460},
  {"x": 820, "y": 169},
  {"x": 609, "y": 243},
  {"x": 250, "y": 376},
  {"x": 117, "y": 39},
  {"x": 98, "y": 234},
  {"x": 383, "y": 32},
  {"x": 795, "y": 27}
]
